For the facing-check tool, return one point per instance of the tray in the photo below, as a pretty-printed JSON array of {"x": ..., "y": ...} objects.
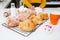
[{"x": 25, "y": 34}]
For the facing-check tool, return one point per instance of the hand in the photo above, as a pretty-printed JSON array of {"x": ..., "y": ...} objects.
[
  {"x": 32, "y": 8},
  {"x": 42, "y": 8}
]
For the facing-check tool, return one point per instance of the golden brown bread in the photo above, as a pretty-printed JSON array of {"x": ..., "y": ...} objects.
[
  {"x": 27, "y": 26},
  {"x": 36, "y": 19},
  {"x": 44, "y": 16}
]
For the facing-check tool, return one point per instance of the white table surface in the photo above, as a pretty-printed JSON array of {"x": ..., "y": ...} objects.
[
  {"x": 39, "y": 34},
  {"x": 4, "y": 3}
]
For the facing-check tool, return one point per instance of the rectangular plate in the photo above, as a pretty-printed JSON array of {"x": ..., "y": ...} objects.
[{"x": 15, "y": 29}]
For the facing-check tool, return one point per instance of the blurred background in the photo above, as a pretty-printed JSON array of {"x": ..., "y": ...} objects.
[{"x": 50, "y": 3}]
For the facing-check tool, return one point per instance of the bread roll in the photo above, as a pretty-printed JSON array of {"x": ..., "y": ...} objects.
[
  {"x": 36, "y": 19},
  {"x": 27, "y": 26},
  {"x": 25, "y": 15},
  {"x": 12, "y": 22},
  {"x": 44, "y": 16}
]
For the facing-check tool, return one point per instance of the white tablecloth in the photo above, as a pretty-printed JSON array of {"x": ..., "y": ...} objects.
[{"x": 39, "y": 34}]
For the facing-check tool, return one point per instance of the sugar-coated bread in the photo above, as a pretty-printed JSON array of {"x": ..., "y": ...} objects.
[
  {"x": 12, "y": 22},
  {"x": 27, "y": 26}
]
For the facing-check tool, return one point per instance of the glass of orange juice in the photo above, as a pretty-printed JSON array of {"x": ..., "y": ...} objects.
[{"x": 54, "y": 17}]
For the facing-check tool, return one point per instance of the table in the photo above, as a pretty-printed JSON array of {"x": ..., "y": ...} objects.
[{"x": 39, "y": 34}]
